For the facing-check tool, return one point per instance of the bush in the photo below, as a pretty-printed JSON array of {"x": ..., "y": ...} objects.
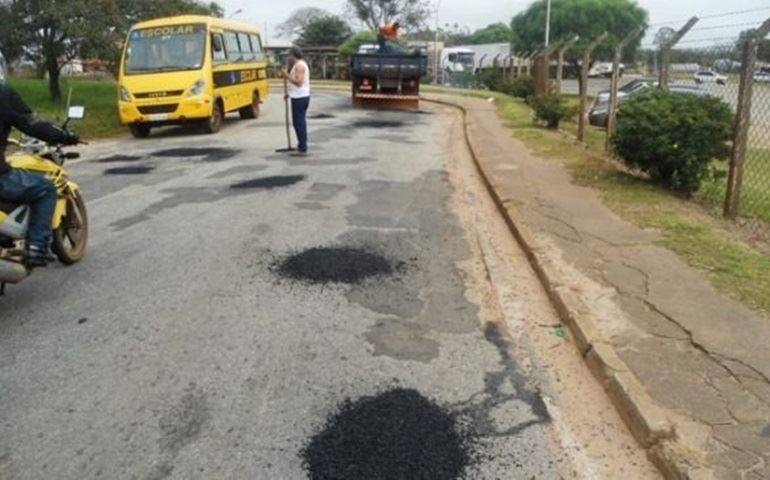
[
  {"x": 673, "y": 137},
  {"x": 551, "y": 109},
  {"x": 493, "y": 79},
  {"x": 522, "y": 87}
]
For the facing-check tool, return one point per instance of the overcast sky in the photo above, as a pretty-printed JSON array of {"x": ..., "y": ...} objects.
[{"x": 479, "y": 13}]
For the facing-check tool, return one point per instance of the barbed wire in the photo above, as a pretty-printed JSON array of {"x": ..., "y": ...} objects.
[
  {"x": 717, "y": 15},
  {"x": 722, "y": 27}
]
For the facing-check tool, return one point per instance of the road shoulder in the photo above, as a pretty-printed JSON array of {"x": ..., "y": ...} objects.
[{"x": 694, "y": 391}]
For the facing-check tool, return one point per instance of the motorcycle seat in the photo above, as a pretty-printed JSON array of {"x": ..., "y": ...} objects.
[{"x": 8, "y": 207}]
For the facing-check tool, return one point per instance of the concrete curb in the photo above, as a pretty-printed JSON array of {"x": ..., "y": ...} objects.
[{"x": 648, "y": 422}]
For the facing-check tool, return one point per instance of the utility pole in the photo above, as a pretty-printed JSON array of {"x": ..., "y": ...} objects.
[{"x": 547, "y": 22}]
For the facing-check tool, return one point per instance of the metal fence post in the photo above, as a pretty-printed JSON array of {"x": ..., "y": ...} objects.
[
  {"x": 743, "y": 120},
  {"x": 665, "y": 52},
  {"x": 584, "y": 69},
  {"x": 520, "y": 63},
  {"x": 560, "y": 61},
  {"x": 612, "y": 106}
]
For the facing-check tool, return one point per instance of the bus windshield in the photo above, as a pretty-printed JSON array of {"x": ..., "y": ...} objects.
[{"x": 166, "y": 49}]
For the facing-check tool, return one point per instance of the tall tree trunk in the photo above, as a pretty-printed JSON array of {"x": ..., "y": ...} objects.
[{"x": 54, "y": 89}]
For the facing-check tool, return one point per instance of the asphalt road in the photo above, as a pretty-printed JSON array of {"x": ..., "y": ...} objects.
[{"x": 175, "y": 351}]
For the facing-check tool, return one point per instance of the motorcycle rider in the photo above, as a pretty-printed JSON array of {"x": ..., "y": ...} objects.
[{"x": 17, "y": 186}]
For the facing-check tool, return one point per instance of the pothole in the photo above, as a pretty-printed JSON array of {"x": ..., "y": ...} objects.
[
  {"x": 398, "y": 434},
  {"x": 268, "y": 183},
  {"x": 335, "y": 265},
  {"x": 137, "y": 170},
  {"x": 210, "y": 154},
  {"x": 378, "y": 124},
  {"x": 119, "y": 159},
  {"x": 321, "y": 116}
]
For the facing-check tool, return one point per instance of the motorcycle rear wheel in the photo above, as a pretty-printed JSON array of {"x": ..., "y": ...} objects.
[{"x": 71, "y": 238}]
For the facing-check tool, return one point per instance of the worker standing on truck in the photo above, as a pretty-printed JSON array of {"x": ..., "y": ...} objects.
[
  {"x": 299, "y": 92},
  {"x": 387, "y": 38}
]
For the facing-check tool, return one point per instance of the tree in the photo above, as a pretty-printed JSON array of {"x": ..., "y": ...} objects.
[
  {"x": 352, "y": 44},
  {"x": 411, "y": 14},
  {"x": 53, "y": 33},
  {"x": 299, "y": 20},
  {"x": 495, "y": 33},
  {"x": 587, "y": 18},
  {"x": 331, "y": 30}
]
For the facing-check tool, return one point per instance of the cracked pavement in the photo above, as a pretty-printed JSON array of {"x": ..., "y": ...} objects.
[{"x": 700, "y": 355}]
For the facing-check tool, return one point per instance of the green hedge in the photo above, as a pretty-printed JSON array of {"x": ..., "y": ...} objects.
[{"x": 673, "y": 137}]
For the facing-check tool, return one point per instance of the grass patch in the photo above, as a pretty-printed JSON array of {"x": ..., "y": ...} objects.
[
  {"x": 701, "y": 240},
  {"x": 755, "y": 193},
  {"x": 98, "y": 96}
]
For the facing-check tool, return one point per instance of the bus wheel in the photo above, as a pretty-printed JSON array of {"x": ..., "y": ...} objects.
[
  {"x": 140, "y": 130},
  {"x": 214, "y": 123},
  {"x": 251, "y": 111}
]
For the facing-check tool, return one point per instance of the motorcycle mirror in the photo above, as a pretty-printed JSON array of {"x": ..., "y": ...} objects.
[{"x": 76, "y": 112}]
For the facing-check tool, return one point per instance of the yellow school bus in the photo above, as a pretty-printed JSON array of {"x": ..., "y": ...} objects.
[{"x": 190, "y": 69}]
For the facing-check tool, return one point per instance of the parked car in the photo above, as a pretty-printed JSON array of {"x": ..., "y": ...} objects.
[
  {"x": 599, "y": 114},
  {"x": 707, "y": 76},
  {"x": 762, "y": 75},
  {"x": 633, "y": 86}
]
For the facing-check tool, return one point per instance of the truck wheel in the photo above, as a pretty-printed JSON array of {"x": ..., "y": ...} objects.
[
  {"x": 140, "y": 130},
  {"x": 250, "y": 112},
  {"x": 214, "y": 123}
]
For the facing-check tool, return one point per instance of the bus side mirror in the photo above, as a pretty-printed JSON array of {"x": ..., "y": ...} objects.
[{"x": 217, "y": 43}]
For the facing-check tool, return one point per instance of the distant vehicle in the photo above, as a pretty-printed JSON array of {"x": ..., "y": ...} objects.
[
  {"x": 387, "y": 79},
  {"x": 604, "y": 70},
  {"x": 598, "y": 116},
  {"x": 707, "y": 76},
  {"x": 762, "y": 75},
  {"x": 458, "y": 60},
  {"x": 190, "y": 69}
]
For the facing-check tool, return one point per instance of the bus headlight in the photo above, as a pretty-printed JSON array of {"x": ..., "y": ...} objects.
[
  {"x": 125, "y": 96},
  {"x": 197, "y": 88}
]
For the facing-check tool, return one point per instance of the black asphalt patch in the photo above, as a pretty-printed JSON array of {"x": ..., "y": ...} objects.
[
  {"x": 119, "y": 159},
  {"x": 335, "y": 265},
  {"x": 209, "y": 154},
  {"x": 267, "y": 183},
  {"x": 396, "y": 435},
  {"x": 377, "y": 124},
  {"x": 138, "y": 170},
  {"x": 321, "y": 116}
]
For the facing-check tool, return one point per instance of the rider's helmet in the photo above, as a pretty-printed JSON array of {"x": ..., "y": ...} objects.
[{"x": 3, "y": 69}]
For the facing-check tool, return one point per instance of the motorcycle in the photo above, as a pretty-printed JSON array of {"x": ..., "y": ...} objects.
[{"x": 70, "y": 219}]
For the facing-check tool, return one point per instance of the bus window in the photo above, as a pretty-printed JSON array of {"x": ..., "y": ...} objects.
[
  {"x": 256, "y": 45},
  {"x": 173, "y": 48},
  {"x": 231, "y": 45},
  {"x": 218, "y": 47},
  {"x": 243, "y": 39}
]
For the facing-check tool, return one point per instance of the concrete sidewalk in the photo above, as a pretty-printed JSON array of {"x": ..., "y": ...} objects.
[{"x": 687, "y": 367}]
